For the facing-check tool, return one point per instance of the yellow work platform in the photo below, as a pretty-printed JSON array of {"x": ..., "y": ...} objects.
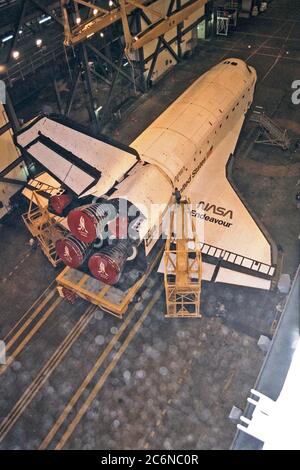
[{"x": 72, "y": 283}]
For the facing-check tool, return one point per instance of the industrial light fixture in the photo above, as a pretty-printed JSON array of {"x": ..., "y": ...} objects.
[
  {"x": 43, "y": 20},
  {"x": 39, "y": 42},
  {"x": 102, "y": 34},
  {"x": 78, "y": 20},
  {"x": 110, "y": 3},
  {"x": 7, "y": 38},
  {"x": 16, "y": 54},
  {"x": 95, "y": 11}
]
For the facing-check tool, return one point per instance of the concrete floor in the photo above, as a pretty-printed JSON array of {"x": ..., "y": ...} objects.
[{"x": 175, "y": 384}]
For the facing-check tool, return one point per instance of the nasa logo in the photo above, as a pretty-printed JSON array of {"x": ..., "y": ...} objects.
[
  {"x": 81, "y": 227},
  {"x": 207, "y": 207},
  {"x": 101, "y": 270},
  {"x": 67, "y": 255}
]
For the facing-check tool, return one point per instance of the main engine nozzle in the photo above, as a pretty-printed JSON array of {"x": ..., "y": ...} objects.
[
  {"x": 58, "y": 203},
  {"x": 71, "y": 251},
  {"x": 107, "y": 264},
  {"x": 87, "y": 222}
]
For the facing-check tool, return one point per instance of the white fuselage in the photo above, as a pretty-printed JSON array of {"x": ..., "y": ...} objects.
[{"x": 179, "y": 142}]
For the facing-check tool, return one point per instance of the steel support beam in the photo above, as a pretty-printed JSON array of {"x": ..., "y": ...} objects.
[
  {"x": 16, "y": 31},
  {"x": 67, "y": 29},
  {"x": 47, "y": 12},
  {"x": 171, "y": 7},
  {"x": 185, "y": 31},
  {"x": 10, "y": 111},
  {"x": 138, "y": 26},
  {"x": 88, "y": 86},
  {"x": 91, "y": 6},
  {"x": 72, "y": 93},
  {"x": 57, "y": 96},
  {"x": 103, "y": 79},
  {"x": 162, "y": 39},
  {"x": 147, "y": 9},
  {"x": 209, "y": 27},
  {"x": 170, "y": 49},
  {"x": 179, "y": 31},
  {"x": 164, "y": 26},
  {"x": 153, "y": 63},
  {"x": 158, "y": 49},
  {"x": 3, "y": 179},
  {"x": 110, "y": 93},
  {"x": 112, "y": 64},
  {"x": 95, "y": 25}
]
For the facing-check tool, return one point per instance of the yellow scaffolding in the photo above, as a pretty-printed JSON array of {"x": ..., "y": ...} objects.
[
  {"x": 72, "y": 284},
  {"x": 42, "y": 225},
  {"x": 183, "y": 265}
]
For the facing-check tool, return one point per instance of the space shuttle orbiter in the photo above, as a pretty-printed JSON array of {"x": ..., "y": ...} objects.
[{"x": 116, "y": 197}]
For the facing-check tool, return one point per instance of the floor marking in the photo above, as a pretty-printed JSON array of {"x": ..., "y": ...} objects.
[
  {"x": 27, "y": 338},
  {"x": 18, "y": 263},
  {"x": 262, "y": 54},
  {"x": 169, "y": 402},
  {"x": 69, "y": 407},
  {"x": 45, "y": 373},
  {"x": 40, "y": 307},
  {"x": 229, "y": 380},
  {"x": 265, "y": 42},
  {"x": 279, "y": 54},
  {"x": 72, "y": 426},
  {"x": 28, "y": 311}
]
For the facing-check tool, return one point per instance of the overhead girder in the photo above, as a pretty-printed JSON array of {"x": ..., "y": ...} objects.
[
  {"x": 164, "y": 25},
  {"x": 79, "y": 33},
  {"x": 92, "y": 25}
]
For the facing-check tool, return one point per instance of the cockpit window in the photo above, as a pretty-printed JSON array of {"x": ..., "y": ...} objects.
[{"x": 227, "y": 62}]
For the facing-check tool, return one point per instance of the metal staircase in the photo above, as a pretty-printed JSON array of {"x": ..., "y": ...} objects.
[
  {"x": 42, "y": 225},
  {"x": 271, "y": 133}
]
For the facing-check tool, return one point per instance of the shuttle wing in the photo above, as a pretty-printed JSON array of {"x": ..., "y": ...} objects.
[
  {"x": 84, "y": 163},
  {"x": 236, "y": 248}
]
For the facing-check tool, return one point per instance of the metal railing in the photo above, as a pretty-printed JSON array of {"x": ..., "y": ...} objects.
[{"x": 237, "y": 259}]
